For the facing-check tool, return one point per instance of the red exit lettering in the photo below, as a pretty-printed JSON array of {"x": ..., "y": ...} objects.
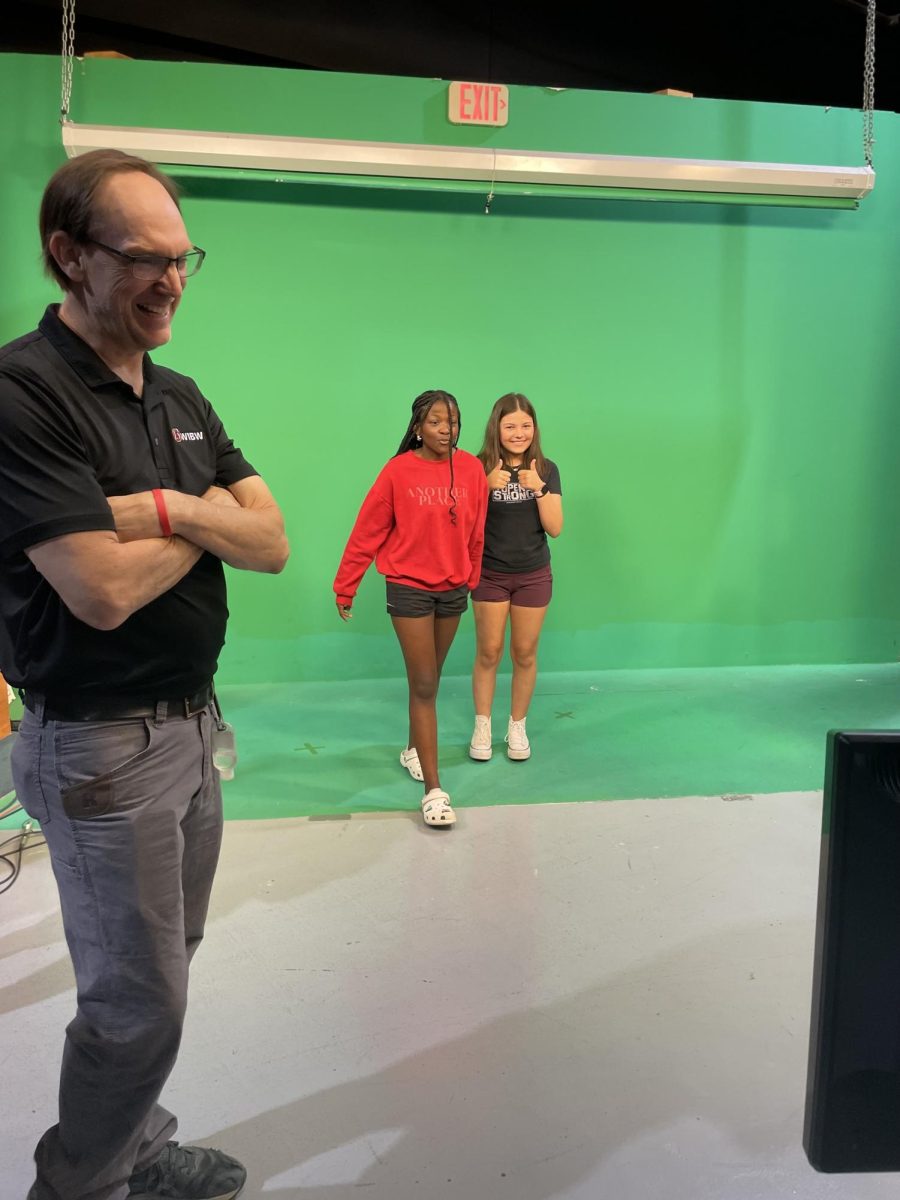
[{"x": 478, "y": 104}]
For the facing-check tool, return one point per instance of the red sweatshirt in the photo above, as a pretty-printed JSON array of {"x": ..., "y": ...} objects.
[{"x": 404, "y": 524}]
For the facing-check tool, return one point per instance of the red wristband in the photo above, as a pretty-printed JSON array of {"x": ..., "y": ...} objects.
[{"x": 162, "y": 512}]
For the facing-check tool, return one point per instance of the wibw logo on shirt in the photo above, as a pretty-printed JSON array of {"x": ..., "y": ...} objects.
[{"x": 193, "y": 435}]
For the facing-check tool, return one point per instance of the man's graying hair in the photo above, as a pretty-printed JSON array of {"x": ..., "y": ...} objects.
[{"x": 70, "y": 203}]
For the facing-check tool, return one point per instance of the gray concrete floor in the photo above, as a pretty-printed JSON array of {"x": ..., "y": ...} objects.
[{"x": 549, "y": 1001}]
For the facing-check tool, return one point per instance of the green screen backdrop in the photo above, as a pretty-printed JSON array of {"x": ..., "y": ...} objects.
[{"x": 718, "y": 384}]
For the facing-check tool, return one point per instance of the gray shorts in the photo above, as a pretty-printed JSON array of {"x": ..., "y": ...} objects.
[{"x": 403, "y": 601}]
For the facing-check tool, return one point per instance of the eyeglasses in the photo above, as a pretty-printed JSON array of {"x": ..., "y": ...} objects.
[{"x": 154, "y": 266}]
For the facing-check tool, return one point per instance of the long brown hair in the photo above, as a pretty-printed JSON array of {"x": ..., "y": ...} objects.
[{"x": 492, "y": 452}]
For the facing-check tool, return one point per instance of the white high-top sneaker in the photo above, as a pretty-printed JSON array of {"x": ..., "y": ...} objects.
[
  {"x": 517, "y": 745},
  {"x": 480, "y": 745}
]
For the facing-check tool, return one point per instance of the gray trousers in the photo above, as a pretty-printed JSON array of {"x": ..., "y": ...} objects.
[{"x": 132, "y": 814}]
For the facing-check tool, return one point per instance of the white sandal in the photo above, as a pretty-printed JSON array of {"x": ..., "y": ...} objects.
[
  {"x": 436, "y": 808},
  {"x": 410, "y": 759}
]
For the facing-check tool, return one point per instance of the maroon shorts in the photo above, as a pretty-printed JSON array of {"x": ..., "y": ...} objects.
[{"x": 531, "y": 589}]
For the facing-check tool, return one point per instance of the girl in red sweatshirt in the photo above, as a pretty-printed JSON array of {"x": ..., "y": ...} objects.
[{"x": 423, "y": 523}]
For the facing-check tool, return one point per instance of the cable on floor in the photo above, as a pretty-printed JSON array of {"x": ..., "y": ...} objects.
[{"x": 13, "y": 859}]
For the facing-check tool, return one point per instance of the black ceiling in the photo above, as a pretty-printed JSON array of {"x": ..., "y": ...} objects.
[{"x": 793, "y": 51}]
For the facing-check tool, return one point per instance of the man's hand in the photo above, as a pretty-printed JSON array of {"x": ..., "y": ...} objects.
[
  {"x": 220, "y": 495},
  {"x": 242, "y": 525},
  {"x": 135, "y": 516}
]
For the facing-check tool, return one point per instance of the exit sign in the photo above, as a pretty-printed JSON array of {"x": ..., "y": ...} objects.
[{"x": 479, "y": 104}]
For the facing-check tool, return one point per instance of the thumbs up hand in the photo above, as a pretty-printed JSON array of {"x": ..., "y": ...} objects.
[
  {"x": 498, "y": 478},
  {"x": 529, "y": 478}
]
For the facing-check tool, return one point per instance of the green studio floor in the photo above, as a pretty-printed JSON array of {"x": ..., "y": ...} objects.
[
  {"x": 320, "y": 749},
  {"x": 324, "y": 749}
]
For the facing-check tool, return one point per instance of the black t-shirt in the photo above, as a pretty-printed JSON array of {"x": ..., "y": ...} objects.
[
  {"x": 514, "y": 538},
  {"x": 72, "y": 433}
]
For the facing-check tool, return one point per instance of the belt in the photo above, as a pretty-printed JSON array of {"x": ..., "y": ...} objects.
[{"x": 112, "y": 708}]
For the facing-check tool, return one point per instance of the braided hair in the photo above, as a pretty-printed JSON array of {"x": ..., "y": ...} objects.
[{"x": 421, "y": 407}]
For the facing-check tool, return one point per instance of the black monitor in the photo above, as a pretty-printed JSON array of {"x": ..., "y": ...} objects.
[{"x": 853, "y": 1081}]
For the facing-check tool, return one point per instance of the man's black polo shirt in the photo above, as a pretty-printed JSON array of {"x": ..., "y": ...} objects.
[{"x": 72, "y": 433}]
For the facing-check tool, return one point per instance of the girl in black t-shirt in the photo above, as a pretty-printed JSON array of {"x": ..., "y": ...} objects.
[{"x": 524, "y": 506}]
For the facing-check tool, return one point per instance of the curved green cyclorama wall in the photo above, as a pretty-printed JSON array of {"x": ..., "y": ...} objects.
[{"x": 718, "y": 384}]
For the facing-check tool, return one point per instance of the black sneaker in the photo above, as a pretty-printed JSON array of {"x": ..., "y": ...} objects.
[{"x": 189, "y": 1173}]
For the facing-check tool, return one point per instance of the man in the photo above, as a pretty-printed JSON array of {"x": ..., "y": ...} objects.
[{"x": 120, "y": 498}]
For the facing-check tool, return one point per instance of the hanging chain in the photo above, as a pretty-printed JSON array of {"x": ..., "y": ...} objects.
[
  {"x": 868, "y": 106},
  {"x": 489, "y": 199},
  {"x": 68, "y": 56}
]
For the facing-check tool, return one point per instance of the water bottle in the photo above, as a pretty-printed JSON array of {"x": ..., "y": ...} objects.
[{"x": 224, "y": 750}]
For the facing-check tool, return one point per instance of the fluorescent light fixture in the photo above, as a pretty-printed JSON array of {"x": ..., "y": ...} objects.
[{"x": 572, "y": 172}]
